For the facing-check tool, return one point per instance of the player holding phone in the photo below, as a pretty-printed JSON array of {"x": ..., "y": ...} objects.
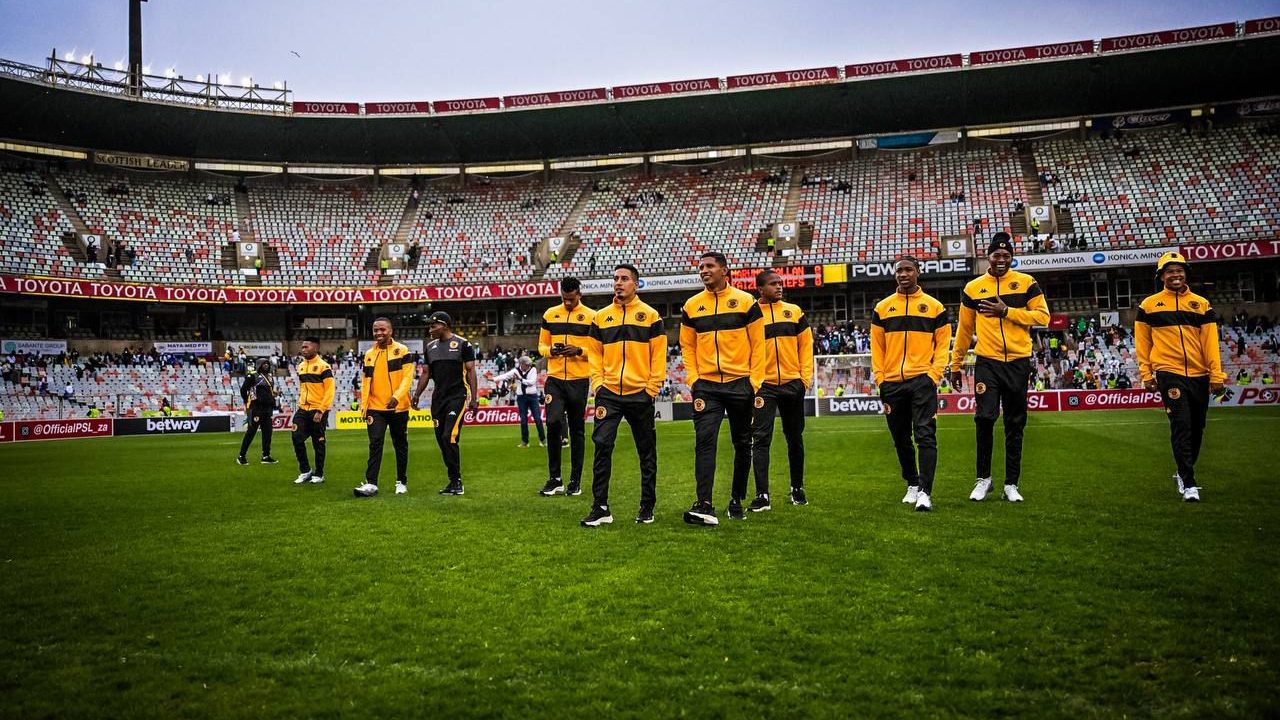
[{"x": 562, "y": 340}]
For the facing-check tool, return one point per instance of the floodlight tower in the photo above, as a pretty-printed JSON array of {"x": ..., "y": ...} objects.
[{"x": 135, "y": 47}]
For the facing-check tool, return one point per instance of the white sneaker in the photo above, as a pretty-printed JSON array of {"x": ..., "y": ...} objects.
[
  {"x": 366, "y": 490},
  {"x": 980, "y": 490},
  {"x": 913, "y": 492},
  {"x": 317, "y": 479},
  {"x": 1191, "y": 494},
  {"x": 401, "y": 488},
  {"x": 1177, "y": 477},
  {"x": 302, "y": 478},
  {"x": 923, "y": 504},
  {"x": 1011, "y": 493}
]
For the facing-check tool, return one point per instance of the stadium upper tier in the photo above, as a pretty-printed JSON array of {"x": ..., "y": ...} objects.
[{"x": 1149, "y": 188}]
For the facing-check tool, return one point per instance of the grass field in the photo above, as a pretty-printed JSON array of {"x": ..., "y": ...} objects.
[{"x": 152, "y": 577}]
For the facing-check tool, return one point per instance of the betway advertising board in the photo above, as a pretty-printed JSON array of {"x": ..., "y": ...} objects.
[
  {"x": 173, "y": 425},
  {"x": 1086, "y": 260},
  {"x": 1037, "y": 401}
]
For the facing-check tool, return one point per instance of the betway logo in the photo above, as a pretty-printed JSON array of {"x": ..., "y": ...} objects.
[
  {"x": 172, "y": 425},
  {"x": 856, "y": 406}
]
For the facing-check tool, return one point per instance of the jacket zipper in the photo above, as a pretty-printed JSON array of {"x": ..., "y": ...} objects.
[
  {"x": 622, "y": 373},
  {"x": 715, "y": 337},
  {"x": 1177, "y": 308},
  {"x": 777, "y": 352},
  {"x": 902, "y": 368},
  {"x": 1004, "y": 343}
]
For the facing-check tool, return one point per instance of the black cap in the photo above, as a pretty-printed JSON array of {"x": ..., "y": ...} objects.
[
  {"x": 441, "y": 316},
  {"x": 1000, "y": 241}
]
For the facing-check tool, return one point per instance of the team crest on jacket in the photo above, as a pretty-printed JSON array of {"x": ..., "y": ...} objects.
[
  {"x": 759, "y": 402},
  {"x": 1195, "y": 304},
  {"x": 699, "y": 405},
  {"x": 733, "y": 303},
  {"x": 601, "y": 411},
  {"x": 980, "y": 388},
  {"x": 1175, "y": 393},
  {"x": 640, "y": 316},
  {"x": 923, "y": 307},
  {"x": 547, "y": 399},
  {"x": 453, "y": 344},
  {"x": 581, "y": 317},
  {"x": 1013, "y": 285},
  {"x": 887, "y": 408},
  {"x": 786, "y": 314}
]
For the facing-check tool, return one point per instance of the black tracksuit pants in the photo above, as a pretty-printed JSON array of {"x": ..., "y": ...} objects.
[
  {"x": 306, "y": 426},
  {"x": 447, "y": 413},
  {"x": 259, "y": 417},
  {"x": 1186, "y": 399},
  {"x": 378, "y": 423},
  {"x": 637, "y": 410},
  {"x": 911, "y": 408},
  {"x": 566, "y": 398},
  {"x": 786, "y": 400},
  {"x": 999, "y": 385},
  {"x": 712, "y": 401}
]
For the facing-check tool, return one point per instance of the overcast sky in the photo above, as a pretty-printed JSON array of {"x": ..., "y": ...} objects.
[{"x": 425, "y": 50}]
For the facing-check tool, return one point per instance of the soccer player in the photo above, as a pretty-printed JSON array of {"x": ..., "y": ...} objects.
[
  {"x": 722, "y": 344},
  {"x": 1002, "y": 305},
  {"x": 1176, "y": 338},
  {"x": 627, "y": 349},
  {"x": 563, "y": 339},
  {"x": 315, "y": 397},
  {"x": 451, "y": 361},
  {"x": 788, "y": 358},
  {"x": 910, "y": 341},
  {"x": 384, "y": 402},
  {"x": 260, "y": 404}
]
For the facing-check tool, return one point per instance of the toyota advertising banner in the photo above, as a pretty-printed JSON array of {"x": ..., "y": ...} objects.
[
  {"x": 890, "y": 67},
  {"x": 1142, "y": 41},
  {"x": 678, "y": 87},
  {"x": 1032, "y": 52},
  {"x": 173, "y": 425},
  {"x": 28, "y": 430},
  {"x": 1243, "y": 250}
]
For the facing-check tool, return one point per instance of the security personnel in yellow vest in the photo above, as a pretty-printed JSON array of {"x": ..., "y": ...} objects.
[
  {"x": 627, "y": 349},
  {"x": 315, "y": 397},
  {"x": 788, "y": 358},
  {"x": 1176, "y": 339},
  {"x": 910, "y": 342},
  {"x": 384, "y": 402},
  {"x": 722, "y": 344},
  {"x": 563, "y": 338},
  {"x": 1002, "y": 306}
]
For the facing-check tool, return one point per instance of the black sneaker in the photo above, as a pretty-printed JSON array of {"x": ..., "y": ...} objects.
[
  {"x": 242, "y": 460},
  {"x": 553, "y": 487},
  {"x": 453, "y": 488},
  {"x": 645, "y": 516},
  {"x": 701, "y": 513},
  {"x": 575, "y": 488},
  {"x": 598, "y": 516},
  {"x": 268, "y": 460},
  {"x": 797, "y": 497},
  {"x": 760, "y": 504},
  {"x": 735, "y": 510}
]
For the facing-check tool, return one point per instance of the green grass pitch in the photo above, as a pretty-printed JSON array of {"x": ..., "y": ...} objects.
[{"x": 153, "y": 577}]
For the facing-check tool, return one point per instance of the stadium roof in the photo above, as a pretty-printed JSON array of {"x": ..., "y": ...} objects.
[{"x": 1105, "y": 84}]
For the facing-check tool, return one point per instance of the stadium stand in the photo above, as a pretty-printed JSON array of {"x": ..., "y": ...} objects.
[{"x": 32, "y": 226}]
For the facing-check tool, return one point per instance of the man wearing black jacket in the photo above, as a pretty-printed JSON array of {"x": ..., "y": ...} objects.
[{"x": 260, "y": 399}]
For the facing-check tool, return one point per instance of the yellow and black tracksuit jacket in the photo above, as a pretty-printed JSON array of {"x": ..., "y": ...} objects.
[
  {"x": 1178, "y": 333},
  {"x": 628, "y": 349},
  {"x": 1000, "y": 338},
  {"x": 722, "y": 337},
  {"x": 571, "y": 327},
  {"x": 315, "y": 385},
  {"x": 910, "y": 337},
  {"x": 788, "y": 344},
  {"x": 388, "y": 373}
]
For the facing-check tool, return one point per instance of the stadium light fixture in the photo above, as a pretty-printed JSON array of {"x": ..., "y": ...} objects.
[
  {"x": 277, "y": 85},
  {"x": 171, "y": 73},
  {"x": 246, "y": 81},
  {"x": 200, "y": 78},
  {"x": 86, "y": 59},
  {"x": 70, "y": 56},
  {"x": 119, "y": 65},
  {"x": 224, "y": 79}
]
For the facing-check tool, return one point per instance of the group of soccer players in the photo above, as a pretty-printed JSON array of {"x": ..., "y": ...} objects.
[{"x": 752, "y": 360}]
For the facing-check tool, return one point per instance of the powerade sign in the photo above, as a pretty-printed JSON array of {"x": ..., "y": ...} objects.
[
  {"x": 884, "y": 270},
  {"x": 174, "y": 425}
]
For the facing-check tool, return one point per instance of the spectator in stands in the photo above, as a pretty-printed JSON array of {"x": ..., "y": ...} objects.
[
  {"x": 1266, "y": 378},
  {"x": 190, "y": 255},
  {"x": 68, "y": 392},
  {"x": 1242, "y": 377},
  {"x": 414, "y": 198},
  {"x": 1035, "y": 227},
  {"x": 91, "y": 250}
]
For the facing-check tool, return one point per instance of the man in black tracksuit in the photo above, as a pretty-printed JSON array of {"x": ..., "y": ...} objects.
[{"x": 260, "y": 398}]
